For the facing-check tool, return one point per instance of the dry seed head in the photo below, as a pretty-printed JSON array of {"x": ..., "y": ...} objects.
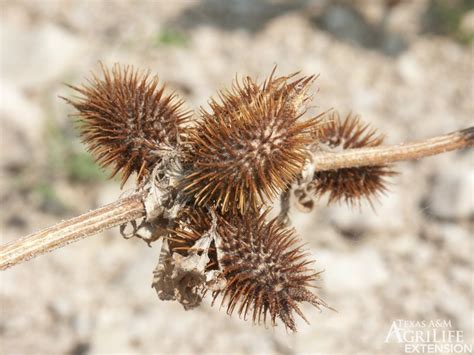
[
  {"x": 251, "y": 145},
  {"x": 267, "y": 272},
  {"x": 127, "y": 120},
  {"x": 350, "y": 185}
]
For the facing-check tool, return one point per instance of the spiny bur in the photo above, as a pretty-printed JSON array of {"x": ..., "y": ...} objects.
[
  {"x": 127, "y": 120},
  {"x": 350, "y": 185},
  {"x": 266, "y": 269},
  {"x": 190, "y": 225},
  {"x": 250, "y": 145}
]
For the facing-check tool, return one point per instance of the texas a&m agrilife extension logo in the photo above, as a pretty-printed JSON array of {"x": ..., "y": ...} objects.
[{"x": 428, "y": 337}]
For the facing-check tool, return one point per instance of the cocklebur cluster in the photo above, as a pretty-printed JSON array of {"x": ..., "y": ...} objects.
[{"x": 234, "y": 159}]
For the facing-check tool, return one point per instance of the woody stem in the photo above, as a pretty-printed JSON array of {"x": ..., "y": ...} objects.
[
  {"x": 131, "y": 208},
  {"x": 71, "y": 230},
  {"x": 390, "y": 154}
]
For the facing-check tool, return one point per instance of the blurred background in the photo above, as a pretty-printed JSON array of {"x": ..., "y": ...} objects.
[{"x": 405, "y": 66}]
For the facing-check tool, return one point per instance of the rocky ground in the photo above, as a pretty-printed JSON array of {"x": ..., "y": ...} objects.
[{"x": 411, "y": 259}]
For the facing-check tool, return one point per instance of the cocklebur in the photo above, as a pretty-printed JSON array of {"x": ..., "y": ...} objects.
[{"x": 203, "y": 187}]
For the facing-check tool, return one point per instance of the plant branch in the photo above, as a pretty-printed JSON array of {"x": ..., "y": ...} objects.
[
  {"x": 70, "y": 231},
  {"x": 131, "y": 208},
  {"x": 390, "y": 154}
]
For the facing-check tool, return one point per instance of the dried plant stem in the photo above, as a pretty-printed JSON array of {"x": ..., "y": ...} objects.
[
  {"x": 390, "y": 154},
  {"x": 131, "y": 208},
  {"x": 70, "y": 231}
]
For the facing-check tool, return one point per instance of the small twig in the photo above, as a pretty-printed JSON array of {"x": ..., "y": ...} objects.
[
  {"x": 131, "y": 208},
  {"x": 70, "y": 231},
  {"x": 390, "y": 154}
]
